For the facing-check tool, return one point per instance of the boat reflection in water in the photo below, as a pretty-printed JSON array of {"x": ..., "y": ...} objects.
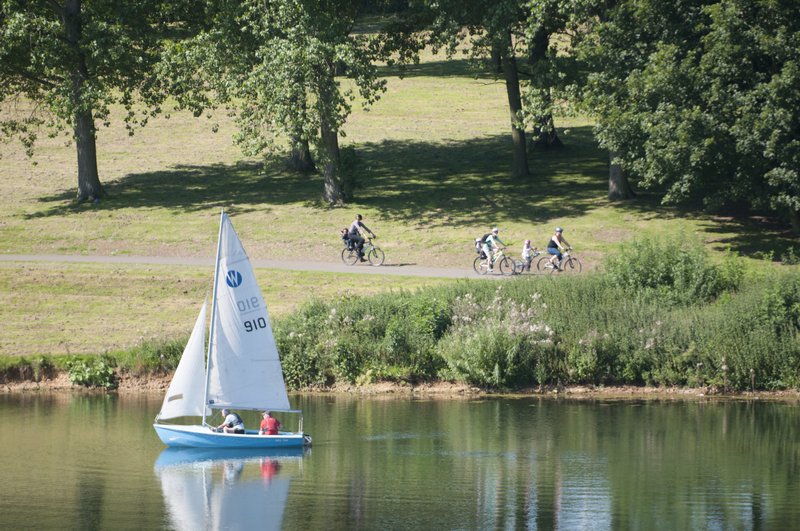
[{"x": 226, "y": 488}]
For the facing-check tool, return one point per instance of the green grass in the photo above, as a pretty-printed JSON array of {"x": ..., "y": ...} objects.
[
  {"x": 55, "y": 309},
  {"x": 433, "y": 157}
]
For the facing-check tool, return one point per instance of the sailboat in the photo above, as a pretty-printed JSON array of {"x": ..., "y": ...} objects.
[{"x": 241, "y": 370}]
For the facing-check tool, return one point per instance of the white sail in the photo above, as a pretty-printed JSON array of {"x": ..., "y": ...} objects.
[
  {"x": 186, "y": 492},
  {"x": 185, "y": 394},
  {"x": 254, "y": 504},
  {"x": 221, "y": 494},
  {"x": 244, "y": 370}
]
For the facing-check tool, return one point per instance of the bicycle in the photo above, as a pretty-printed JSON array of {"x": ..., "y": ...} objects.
[
  {"x": 568, "y": 264},
  {"x": 481, "y": 265},
  {"x": 372, "y": 252},
  {"x": 520, "y": 265}
]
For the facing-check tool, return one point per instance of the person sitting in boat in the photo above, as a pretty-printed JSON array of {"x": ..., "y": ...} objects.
[
  {"x": 233, "y": 423},
  {"x": 270, "y": 425}
]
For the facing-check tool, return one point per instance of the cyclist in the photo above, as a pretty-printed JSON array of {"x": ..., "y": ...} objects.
[
  {"x": 356, "y": 235},
  {"x": 528, "y": 253},
  {"x": 557, "y": 244},
  {"x": 491, "y": 242}
]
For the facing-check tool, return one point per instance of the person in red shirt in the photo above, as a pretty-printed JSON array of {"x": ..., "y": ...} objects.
[{"x": 270, "y": 425}]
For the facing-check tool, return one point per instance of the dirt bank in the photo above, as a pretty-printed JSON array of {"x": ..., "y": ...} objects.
[{"x": 158, "y": 385}]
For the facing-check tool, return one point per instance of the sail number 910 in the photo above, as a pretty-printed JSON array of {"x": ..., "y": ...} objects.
[
  {"x": 251, "y": 303},
  {"x": 255, "y": 324}
]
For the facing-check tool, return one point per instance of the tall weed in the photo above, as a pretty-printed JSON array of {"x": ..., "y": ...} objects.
[
  {"x": 674, "y": 270},
  {"x": 500, "y": 345}
]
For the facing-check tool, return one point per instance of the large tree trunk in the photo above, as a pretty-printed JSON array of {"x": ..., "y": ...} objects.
[
  {"x": 794, "y": 219},
  {"x": 544, "y": 131},
  {"x": 509, "y": 63},
  {"x": 300, "y": 158},
  {"x": 618, "y": 186},
  {"x": 334, "y": 189},
  {"x": 89, "y": 186},
  {"x": 333, "y": 192}
]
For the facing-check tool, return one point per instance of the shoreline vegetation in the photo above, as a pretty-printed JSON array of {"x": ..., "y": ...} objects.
[{"x": 660, "y": 317}]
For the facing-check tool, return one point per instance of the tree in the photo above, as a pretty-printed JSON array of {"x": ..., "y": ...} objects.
[
  {"x": 276, "y": 64},
  {"x": 545, "y": 19},
  {"x": 493, "y": 28},
  {"x": 704, "y": 104},
  {"x": 73, "y": 59}
]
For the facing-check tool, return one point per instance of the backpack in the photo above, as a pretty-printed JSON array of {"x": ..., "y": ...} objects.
[{"x": 479, "y": 243}]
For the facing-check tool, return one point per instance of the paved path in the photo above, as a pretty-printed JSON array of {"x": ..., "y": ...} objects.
[{"x": 328, "y": 267}]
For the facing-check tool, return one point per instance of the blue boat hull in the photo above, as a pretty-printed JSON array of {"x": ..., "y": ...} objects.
[
  {"x": 177, "y": 456},
  {"x": 201, "y": 437}
]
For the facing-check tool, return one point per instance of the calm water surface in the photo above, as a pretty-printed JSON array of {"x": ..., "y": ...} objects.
[{"x": 83, "y": 462}]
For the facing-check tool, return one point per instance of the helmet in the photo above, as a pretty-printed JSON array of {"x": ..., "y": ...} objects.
[
  {"x": 495, "y": 230},
  {"x": 358, "y": 217},
  {"x": 559, "y": 229},
  {"x": 527, "y": 242}
]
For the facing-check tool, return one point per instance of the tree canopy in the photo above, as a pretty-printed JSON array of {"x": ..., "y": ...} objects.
[
  {"x": 276, "y": 63},
  {"x": 701, "y": 99},
  {"x": 73, "y": 59}
]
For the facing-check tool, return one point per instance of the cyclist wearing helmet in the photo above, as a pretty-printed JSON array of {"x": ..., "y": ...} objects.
[
  {"x": 356, "y": 235},
  {"x": 557, "y": 244},
  {"x": 528, "y": 253},
  {"x": 490, "y": 244}
]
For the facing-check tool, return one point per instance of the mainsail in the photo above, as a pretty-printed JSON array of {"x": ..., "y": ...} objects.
[{"x": 244, "y": 370}]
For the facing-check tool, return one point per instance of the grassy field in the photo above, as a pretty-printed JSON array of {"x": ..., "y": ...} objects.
[{"x": 433, "y": 158}]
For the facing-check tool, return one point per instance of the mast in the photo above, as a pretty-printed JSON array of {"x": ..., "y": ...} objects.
[{"x": 213, "y": 313}]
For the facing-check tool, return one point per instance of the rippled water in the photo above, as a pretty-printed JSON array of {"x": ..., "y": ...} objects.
[{"x": 94, "y": 462}]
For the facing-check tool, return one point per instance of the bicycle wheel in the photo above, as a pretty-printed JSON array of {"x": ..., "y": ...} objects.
[
  {"x": 571, "y": 265},
  {"x": 376, "y": 256},
  {"x": 349, "y": 256},
  {"x": 507, "y": 266},
  {"x": 480, "y": 265},
  {"x": 544, "y": 265}
]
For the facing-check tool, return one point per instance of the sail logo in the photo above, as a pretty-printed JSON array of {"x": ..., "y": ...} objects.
[{"x": 233, "y": 279}]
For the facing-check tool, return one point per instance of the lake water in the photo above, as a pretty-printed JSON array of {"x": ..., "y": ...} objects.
[{"x": 94, "y": 462}]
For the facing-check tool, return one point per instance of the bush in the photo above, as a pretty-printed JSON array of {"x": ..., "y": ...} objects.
[
  {"x": 301, "y": 340},
  {"x": 92, "y": 372},
  {"x": 502, "y": 345},
  {"x": 675, "y": 270},
  {"x": 779, "y": 307}
]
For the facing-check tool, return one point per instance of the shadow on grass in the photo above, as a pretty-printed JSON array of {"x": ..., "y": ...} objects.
[
  {"x": 439, "y": 69},
  {"x": 191, "y": 188},
  {"x": 469, "y": 182},
  {"x": 426, "y": 185},
  {"x": 747, "y": 234},
  {"x": 436, "y": 183}
]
